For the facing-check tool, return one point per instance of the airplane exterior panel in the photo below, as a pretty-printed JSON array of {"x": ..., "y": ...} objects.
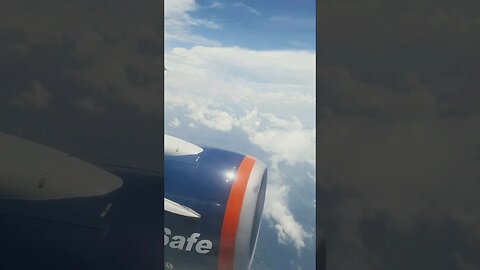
[
  {"x": 83, "y": 216},
  {"x": 224, "y": 188}
]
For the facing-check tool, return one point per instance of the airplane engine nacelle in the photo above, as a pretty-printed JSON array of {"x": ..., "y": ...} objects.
[{"x": 213, "y": 208}]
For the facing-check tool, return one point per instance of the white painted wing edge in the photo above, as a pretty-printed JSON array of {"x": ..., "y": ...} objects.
[
  {"x": 179, "y": 209},
  {"x": 177, "y": 147}
]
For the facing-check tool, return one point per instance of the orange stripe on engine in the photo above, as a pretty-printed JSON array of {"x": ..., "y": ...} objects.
[{"x": 232, "y": 215}]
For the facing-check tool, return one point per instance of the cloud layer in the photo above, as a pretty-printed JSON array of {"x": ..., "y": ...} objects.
[
  {"x": 178, "y": 22},
  {"x": 398, "y": 133},
  {"x": 267, "y": 95},
  {"x": 84, "y": 77}
]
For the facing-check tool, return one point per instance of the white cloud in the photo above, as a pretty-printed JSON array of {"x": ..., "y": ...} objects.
[
  {"x": 279, "y": 82},
  {"x": 216, "y": 4},
  {"x": 285, "y": 140},
  {"x": 269, "y": 95},
  {"x": 289, "y": 231},
  {"x": 174, "y": 123},
  {"x": 212, "y": 118},
  {"x": 179, "y": 21},
  {"x": 312, "y": 176},
  {"x": 179, "y": 7},
  {"x": 278, "y": 67},
  {"x": 250, "y": 9},
  {"x": 201, "y": 112}
]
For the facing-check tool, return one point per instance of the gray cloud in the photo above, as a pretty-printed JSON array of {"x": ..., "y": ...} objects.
[
  {"x": 89, "y": 105},
  {"x": 398, "y": 134},
  {"x": 440, "y": 243},
  {"x": 71, "y": 58},
  {"x": 35, "y": 98}
]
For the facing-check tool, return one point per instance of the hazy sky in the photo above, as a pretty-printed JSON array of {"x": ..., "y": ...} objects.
[
  {"x": 241, "y": 76},
  {"x": 84, "y": 77},
  {"x": 399, "y": 134}
]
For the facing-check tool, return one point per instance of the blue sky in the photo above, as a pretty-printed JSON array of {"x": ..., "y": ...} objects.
[
  {"x": 262, "y": 25},
  {"x": 258, "y": 24},
  {"x": 241, "y": 76}
]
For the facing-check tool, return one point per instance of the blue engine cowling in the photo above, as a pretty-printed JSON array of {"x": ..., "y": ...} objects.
[
  {"x": 58, "y": 212},
  {"x": 226, "y": 193}
]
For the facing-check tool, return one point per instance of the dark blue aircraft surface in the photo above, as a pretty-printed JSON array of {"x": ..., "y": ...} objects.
[{"x": 59, "y": 212}]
